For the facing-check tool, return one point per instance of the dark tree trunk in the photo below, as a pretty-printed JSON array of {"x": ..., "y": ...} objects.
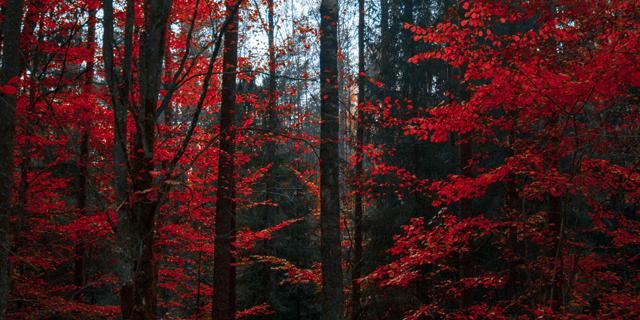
[
  {"x": 358, "y": 210},
  {"x": 384, "y": 28},
  {"x": 10, "y": 69},
  {"x": 137, "y": 271},
  {"x": 466, "y": 206},
  {"x": 408, "y": 46},
  {"x": 223, "y": 305},
  {"x": 331, "y": 255},
  {"x": 555, "y": 218},
  {"x": 79, "y": 252},
  {"x": 466, "y": 212},
  {"x": 119, "y": 92},
  {"x": 152, "y": 47},
  {"x": 270, "y": 126},
  {"x": 78, "y": 277},
  {"x": 512, "y": 215}
]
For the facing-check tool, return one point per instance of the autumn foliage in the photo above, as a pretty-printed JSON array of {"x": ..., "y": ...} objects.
[
  {"x": 62, "y": 98},
  {"x": 553, "y": 117},
  {"x": 545, "y": 93}
]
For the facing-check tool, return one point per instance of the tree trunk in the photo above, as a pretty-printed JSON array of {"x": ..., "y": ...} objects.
[
  {"x": 384, "y": 30},
  {"x": 555, "y": 218},
  {"x": 358, "y": 210},
  {"x": 408, "y": 47},
  {"x": 466, "y": 206},
  {"x": 137, "y": 271},
  {"x": 512, "y": 215},
  {"x": 119, "y": 93},
  {"x": 10, "y": 69},
  {"x": 223, "y": 306},
  {"x": 331, "y": 255},
  {"x": 466, "y": 212},
  {"x": 79, "y": 252},
  {"x": 152, "y": 47},
  {"x": 78, "y": 278},
  {"x": 271, "y": 126}
]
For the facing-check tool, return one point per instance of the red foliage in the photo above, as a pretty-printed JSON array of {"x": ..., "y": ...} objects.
[
  {"x": 57, "y": 102},
  {"x": 562, "y": 100}
]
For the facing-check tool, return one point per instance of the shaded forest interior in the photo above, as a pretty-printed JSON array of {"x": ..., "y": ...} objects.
[{"x": 281, "y": 159}]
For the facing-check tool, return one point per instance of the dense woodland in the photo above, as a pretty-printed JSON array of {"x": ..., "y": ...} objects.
[{"x": 281, "y": 159}]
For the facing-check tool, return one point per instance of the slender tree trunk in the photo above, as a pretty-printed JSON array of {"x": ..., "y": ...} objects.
[
  {"x": 512, "y": 215},
  {"x": 358, "y": 210},
  {"x": 331, "y": 255},
  {"x": 79, "y": 252},
  {"x": 384, "y": 33},
  {"x": 466, "y": 212},
  {"x": 10, "y": 69},
  {"x": 555, "y": 214},
  {"x": 152, "y": 47},
  {"x": 555, "y": 218},
  {"x": 223, "y": 305},
  {"x": 271, "y": 126},
  {"x": 466, "y": 206},
  {"x": 78, "y": 279},
  {"x": 119, "y": 93},
  {"x": 512, "y": 237},
  {"x": 408, "y": 47},
  {"x": 232, "y": 279}
]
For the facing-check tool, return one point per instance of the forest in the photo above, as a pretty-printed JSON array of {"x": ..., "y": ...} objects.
[{"x": 332, "y": 159}]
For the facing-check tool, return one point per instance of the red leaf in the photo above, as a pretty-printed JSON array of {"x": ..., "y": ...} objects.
[{"x": 8, "y": 89}]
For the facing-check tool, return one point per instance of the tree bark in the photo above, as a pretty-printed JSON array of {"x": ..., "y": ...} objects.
[
  {"x": 137, "y": 271},
  {"x": 512, "y": 215},
  {"x": 152, "y": 47},
  {"x": 119, "y": 93},
  {"x": 10, "y": 69},
  {"x": 331, "y": 255},
  {"x": 358, "y": 210},
  {"x": 79, "y": 252},
  {"x": 223, "y": 306},
  {"x": 466, "y": 212},
  {"x": 466, "y": 205},
  {"x": 78, "y": 278},
  {"x": 384, "y": 28},
  {"x": 270, "y": 126},
  {"x": 555, "y": 218}
]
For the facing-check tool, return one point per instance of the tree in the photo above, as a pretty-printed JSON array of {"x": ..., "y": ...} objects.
[
  {"x": 10, "y": 74},
  {"x": 359, "y": 170},
  {"x": 136, "y": 224},
  {"x": 332, "y": 305},
  {"x": 126, "y": 179},
  {"x": 119, "y": 87},
  {"x": 138, "y": 295},
  {"x": 465, "y": 206},
  {"x": 223, "y": 305}
]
